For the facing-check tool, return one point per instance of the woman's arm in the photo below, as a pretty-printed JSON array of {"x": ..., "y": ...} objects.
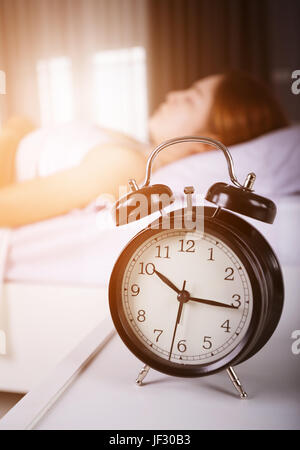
[
  {"x": 10, "y": 136},
  {"x": 103, "y": 170}
]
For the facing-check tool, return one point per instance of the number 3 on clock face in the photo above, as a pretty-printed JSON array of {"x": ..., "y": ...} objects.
[{"x": 185, "y": 300}]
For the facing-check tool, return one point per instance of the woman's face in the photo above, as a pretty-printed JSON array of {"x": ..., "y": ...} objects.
[{"x": 184, "y": 112}]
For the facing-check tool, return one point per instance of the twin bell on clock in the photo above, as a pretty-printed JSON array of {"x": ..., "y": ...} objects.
[{"x": 191, "y": 304}]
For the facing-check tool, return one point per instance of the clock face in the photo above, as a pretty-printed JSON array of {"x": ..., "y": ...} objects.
[{"x": 186, "y": 297}]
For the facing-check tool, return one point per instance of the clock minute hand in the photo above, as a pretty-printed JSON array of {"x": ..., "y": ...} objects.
[
  {"x": 181, "y": 302},
  {"x": 211, "y": 302},
  {"x": 167, "y": 281}
]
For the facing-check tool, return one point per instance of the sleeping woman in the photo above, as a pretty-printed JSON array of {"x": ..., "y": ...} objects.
[{"x": 231, "y": 107}]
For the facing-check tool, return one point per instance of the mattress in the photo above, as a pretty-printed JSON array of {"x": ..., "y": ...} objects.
[{"x": 43, "y": 323}]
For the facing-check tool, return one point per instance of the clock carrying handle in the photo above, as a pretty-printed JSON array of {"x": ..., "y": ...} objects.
[
  {"x": 239, "y": 198},
  {"x": 235, "y": 197},
  {"x": 203, "y": 140}
]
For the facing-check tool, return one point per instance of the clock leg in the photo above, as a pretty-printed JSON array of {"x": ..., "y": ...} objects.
[
  {"x": 236, "y": 382},
  {"x": 142, "y": 374}
]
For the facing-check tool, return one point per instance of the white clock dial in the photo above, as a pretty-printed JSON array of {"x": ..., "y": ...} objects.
[{"x": 209, "y": 271}]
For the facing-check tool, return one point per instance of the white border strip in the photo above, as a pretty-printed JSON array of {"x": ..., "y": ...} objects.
[{"x": 34, "y": 405}]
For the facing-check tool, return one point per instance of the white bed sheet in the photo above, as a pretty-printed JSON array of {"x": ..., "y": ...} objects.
[
  {"x": 81, "y": 247},
  {"x": 77, "y": 248}
]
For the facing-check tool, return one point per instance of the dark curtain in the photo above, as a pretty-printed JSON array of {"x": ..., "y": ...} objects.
[{"x": 189, "y": 39}]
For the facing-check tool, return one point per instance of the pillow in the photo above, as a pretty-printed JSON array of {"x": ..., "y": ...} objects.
[{"x": 273, "y": 157}]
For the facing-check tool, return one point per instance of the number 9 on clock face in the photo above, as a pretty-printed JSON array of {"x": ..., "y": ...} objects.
[{"x": 183, "y": 302}]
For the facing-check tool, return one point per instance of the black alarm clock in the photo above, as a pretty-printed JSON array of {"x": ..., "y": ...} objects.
[{"x": 190, "y": 301}]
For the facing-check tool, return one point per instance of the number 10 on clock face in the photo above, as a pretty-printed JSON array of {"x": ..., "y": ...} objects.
[{"x": 184, "y": 300}]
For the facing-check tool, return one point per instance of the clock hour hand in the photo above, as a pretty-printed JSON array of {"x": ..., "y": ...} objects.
[
  {"x": 211, "y": 302},
  {"x": 167, "y": 281}
]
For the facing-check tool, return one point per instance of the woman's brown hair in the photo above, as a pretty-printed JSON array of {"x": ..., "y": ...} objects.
[{"x": 243, "y": 109}]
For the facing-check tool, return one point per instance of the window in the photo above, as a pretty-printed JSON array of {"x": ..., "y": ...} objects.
[
  {"x": 113, "y": 91},
  {"x": 120, "y": 90},
  {"x": 55, "y": 90}
]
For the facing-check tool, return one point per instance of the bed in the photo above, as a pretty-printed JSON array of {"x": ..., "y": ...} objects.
[{"x": 56, "y": 272}]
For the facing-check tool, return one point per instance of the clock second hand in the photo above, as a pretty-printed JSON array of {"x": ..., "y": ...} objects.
[{"x": 181, "y": 302}]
